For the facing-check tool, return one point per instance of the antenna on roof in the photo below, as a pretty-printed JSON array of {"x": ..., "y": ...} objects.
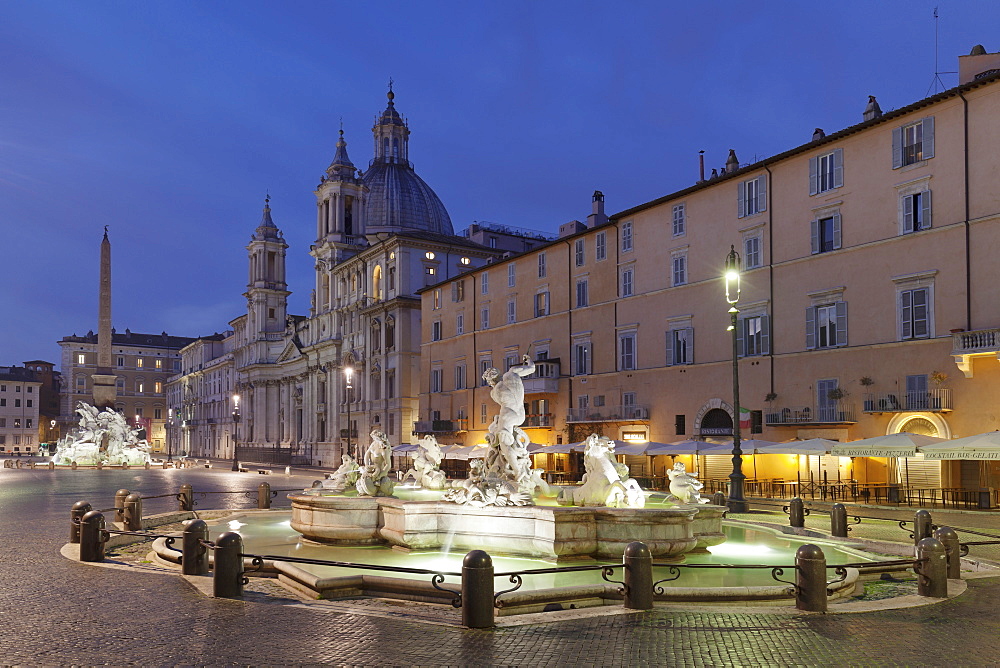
[{"x": 937, "y": 85}]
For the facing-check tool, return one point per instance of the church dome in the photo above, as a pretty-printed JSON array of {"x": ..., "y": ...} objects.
[{"x": 399, "y": 199}]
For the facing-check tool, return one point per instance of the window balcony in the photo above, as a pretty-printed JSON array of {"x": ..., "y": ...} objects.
[
  {"x": 441, "y": 426},
  {"x": 539, "y": 420},
  {"x": 935, "y": 401},
  {"x": 631, "y": 413},
  {"x": 545, "y": 380},
  {"x": 977, "y": 343},
  {"x": 842, "y": 414}
]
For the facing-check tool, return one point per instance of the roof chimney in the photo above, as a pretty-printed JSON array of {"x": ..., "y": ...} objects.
[
  {"x": 597, "y": 216},
  {"x": 732, "y": 162},
  {"x": 872, "y": 110},
  {"x": 701, "y": 166}
]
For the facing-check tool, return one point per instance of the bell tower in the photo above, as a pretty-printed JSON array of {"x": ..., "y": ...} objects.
[{"x": 267, "y": 292}]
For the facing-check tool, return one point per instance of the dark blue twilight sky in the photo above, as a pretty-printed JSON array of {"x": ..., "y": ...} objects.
[{"x": 169, "y": 120}]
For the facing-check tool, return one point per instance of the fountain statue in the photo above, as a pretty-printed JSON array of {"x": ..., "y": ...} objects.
[
  {"x": 102, "y": 437},
  {"x": 684, "y": 486},
  {"x": 504, "y": 477},
  {"x": 426, "y": 469},
  {"x": 374, "y": 477},
  {"x": 345, "y": 476},
  {"x": 606, "y": 482}
]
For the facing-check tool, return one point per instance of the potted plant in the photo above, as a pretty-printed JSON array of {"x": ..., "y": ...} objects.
[
  {"x": 938, "y": 378},
  {"x": 836, "y": 395},
  {"x": 772, "y": 416},
  {"x": 867, "y": 382}
]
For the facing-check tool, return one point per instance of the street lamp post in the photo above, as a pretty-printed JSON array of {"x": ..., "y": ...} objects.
[
  {"x": 348, "y": 375},
  {"x": 170, "y": 433},
  {"x": 737, "y": 503},
  {"x": 236, "y": 430},
  {"x": 52, "y": 428}
]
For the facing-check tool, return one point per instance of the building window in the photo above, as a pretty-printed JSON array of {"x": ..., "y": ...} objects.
[
  {"x": 541, "y": 265},
  {"x": 752, "y": 197},
  {"x": 159, "y": 364},
  {"x": 436, "y": 380},
  {"x": 482, "y": 413},
  {"x": 139, "y": 362},
  {"x": 139, "y": 385},
  {"x": 581, "y": 294},
  {"x": 914, "y": 313},
  {"x": 458, "y": 291},
  {"x": 511, "y": 311},
  {"x": 17, "y": 403},
  {"x": 158, "y": 387},
  {"x": 484, "y": 283},
  {"x": 390, "y": 385},
  {"x": 436, "y": 330},
  {"x": 626, "y": 236},
  {"x": 459, "y": 324},
  {"x": 390, "y": 333},
  {"x": 679, "y": 271},
  {"x": 753, "y": 336},
  {"x": 601, "y": 246},
  {"x": 583, "y": 403},
  {"x": 826, "y": 325},
  {"x": 484, "y": 318},
  {"x": 582, "y": 358},
  {"x": 157, "y": 413},
  {"x": 436, "y": 296},
  {"x": 511, "y": 276},
  {"x": 81, "y": 358},
  {"x": 28, "y": 403},
  {"x": 751, "y": 252},
  {"x": 915, "y": 211},
  {"x": 391, "y": 423},
  {"x": 509, "y": 360},
  {"x": 392, "y": 278},
  {"x": 493, "y": 242},
  {"x": 825, "y": 233},
  {"x": 680, "y": 346},
  {"x": 121, "y": 362},
  {"x": 460, "y": 377},
  {"x": 581, "y": 249},
  {"x": 913, "y": 143},
  {"x": 541, "y": 304},
  {"x": 626, "y": 352},
  {"x": 680, "y": 220},
  {"x": 627, "y": 282},
  {"x": 826, "y": 171}
]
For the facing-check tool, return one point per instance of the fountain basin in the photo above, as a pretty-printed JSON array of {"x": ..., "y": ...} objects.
[{"x": 554, "y": 533}]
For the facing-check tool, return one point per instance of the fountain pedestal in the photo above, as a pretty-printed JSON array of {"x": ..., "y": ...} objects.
[{"x": 548, "y": 532}]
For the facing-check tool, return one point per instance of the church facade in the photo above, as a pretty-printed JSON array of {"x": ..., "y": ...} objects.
[{"x": 307, "y": 388}]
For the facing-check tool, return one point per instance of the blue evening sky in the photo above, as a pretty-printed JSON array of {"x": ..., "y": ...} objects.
[{"x": 168, "y": 121}]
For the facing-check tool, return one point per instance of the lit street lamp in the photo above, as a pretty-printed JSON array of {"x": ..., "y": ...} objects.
[
  {"x": 737, "y": 503},
  {"x": 348, "y": 375},
  {"x": 236, "y": 430}
]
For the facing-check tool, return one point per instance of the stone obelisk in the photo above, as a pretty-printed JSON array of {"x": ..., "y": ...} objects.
[{"x": 105, "y": 382}]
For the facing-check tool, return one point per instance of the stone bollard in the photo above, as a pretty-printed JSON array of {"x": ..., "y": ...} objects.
[
  {"x": 80, "y": 508},
  {"x": 263, "y": 496},
  {"x": 952, "y": 550},
  {"x": 92, "y": 537},
  {"x": 133, "y": 512},
  {"x": 73, "y": 465},
  {"x": 719, "y": 499},
  {"x": 100, "y": 466},
  {"x": 477, "y": 590},
  {"x": 932, "y": 576},
  {"x": 796, "y": 513},
  {"x": 810, "y": 579},
  {"x": 194, "y": 555},
  {"x": 120, "y": 496},
  {"x": 838, "y": 520},
  {"x": 147, "y": 466},
  {"x": 227, "y": 581},
  {"x": 52, "y": 466},
  {"x": 185, "y": 499},
  {"x": 31, "y": 465},
  {"x": 922, "y": 526},
  {"x": 638, "y": 577}
]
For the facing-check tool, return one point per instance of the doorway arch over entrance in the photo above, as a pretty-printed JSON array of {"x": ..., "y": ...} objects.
[{"x": 929, "y": 424}]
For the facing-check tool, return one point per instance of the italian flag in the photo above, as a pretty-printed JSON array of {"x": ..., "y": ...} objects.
[{"x": 744, "y": 418}]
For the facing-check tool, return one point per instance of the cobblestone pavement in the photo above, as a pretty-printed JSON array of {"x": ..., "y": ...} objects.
[{"x": 54, "y": 611}]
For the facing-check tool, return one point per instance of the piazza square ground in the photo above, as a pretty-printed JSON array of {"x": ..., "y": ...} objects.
[{"x": 54, "y": 611}]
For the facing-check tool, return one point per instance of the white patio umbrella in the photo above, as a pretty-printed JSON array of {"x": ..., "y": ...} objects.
[
  {"x": 903, "y": 444},
  {"x": 812, "y": 446},
  {"x": 981, "y": 446}
]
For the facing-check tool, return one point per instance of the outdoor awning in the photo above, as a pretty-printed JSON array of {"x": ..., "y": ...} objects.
[
  {"x": 980, "y": 446},
  {"x": 903, "y": 444},
  {"x": 404, "y": 448},
  {"x": 812, "y": 446}
]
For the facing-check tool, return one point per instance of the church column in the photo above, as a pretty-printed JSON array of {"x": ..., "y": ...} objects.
[{"x": 340, "y": 214}]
